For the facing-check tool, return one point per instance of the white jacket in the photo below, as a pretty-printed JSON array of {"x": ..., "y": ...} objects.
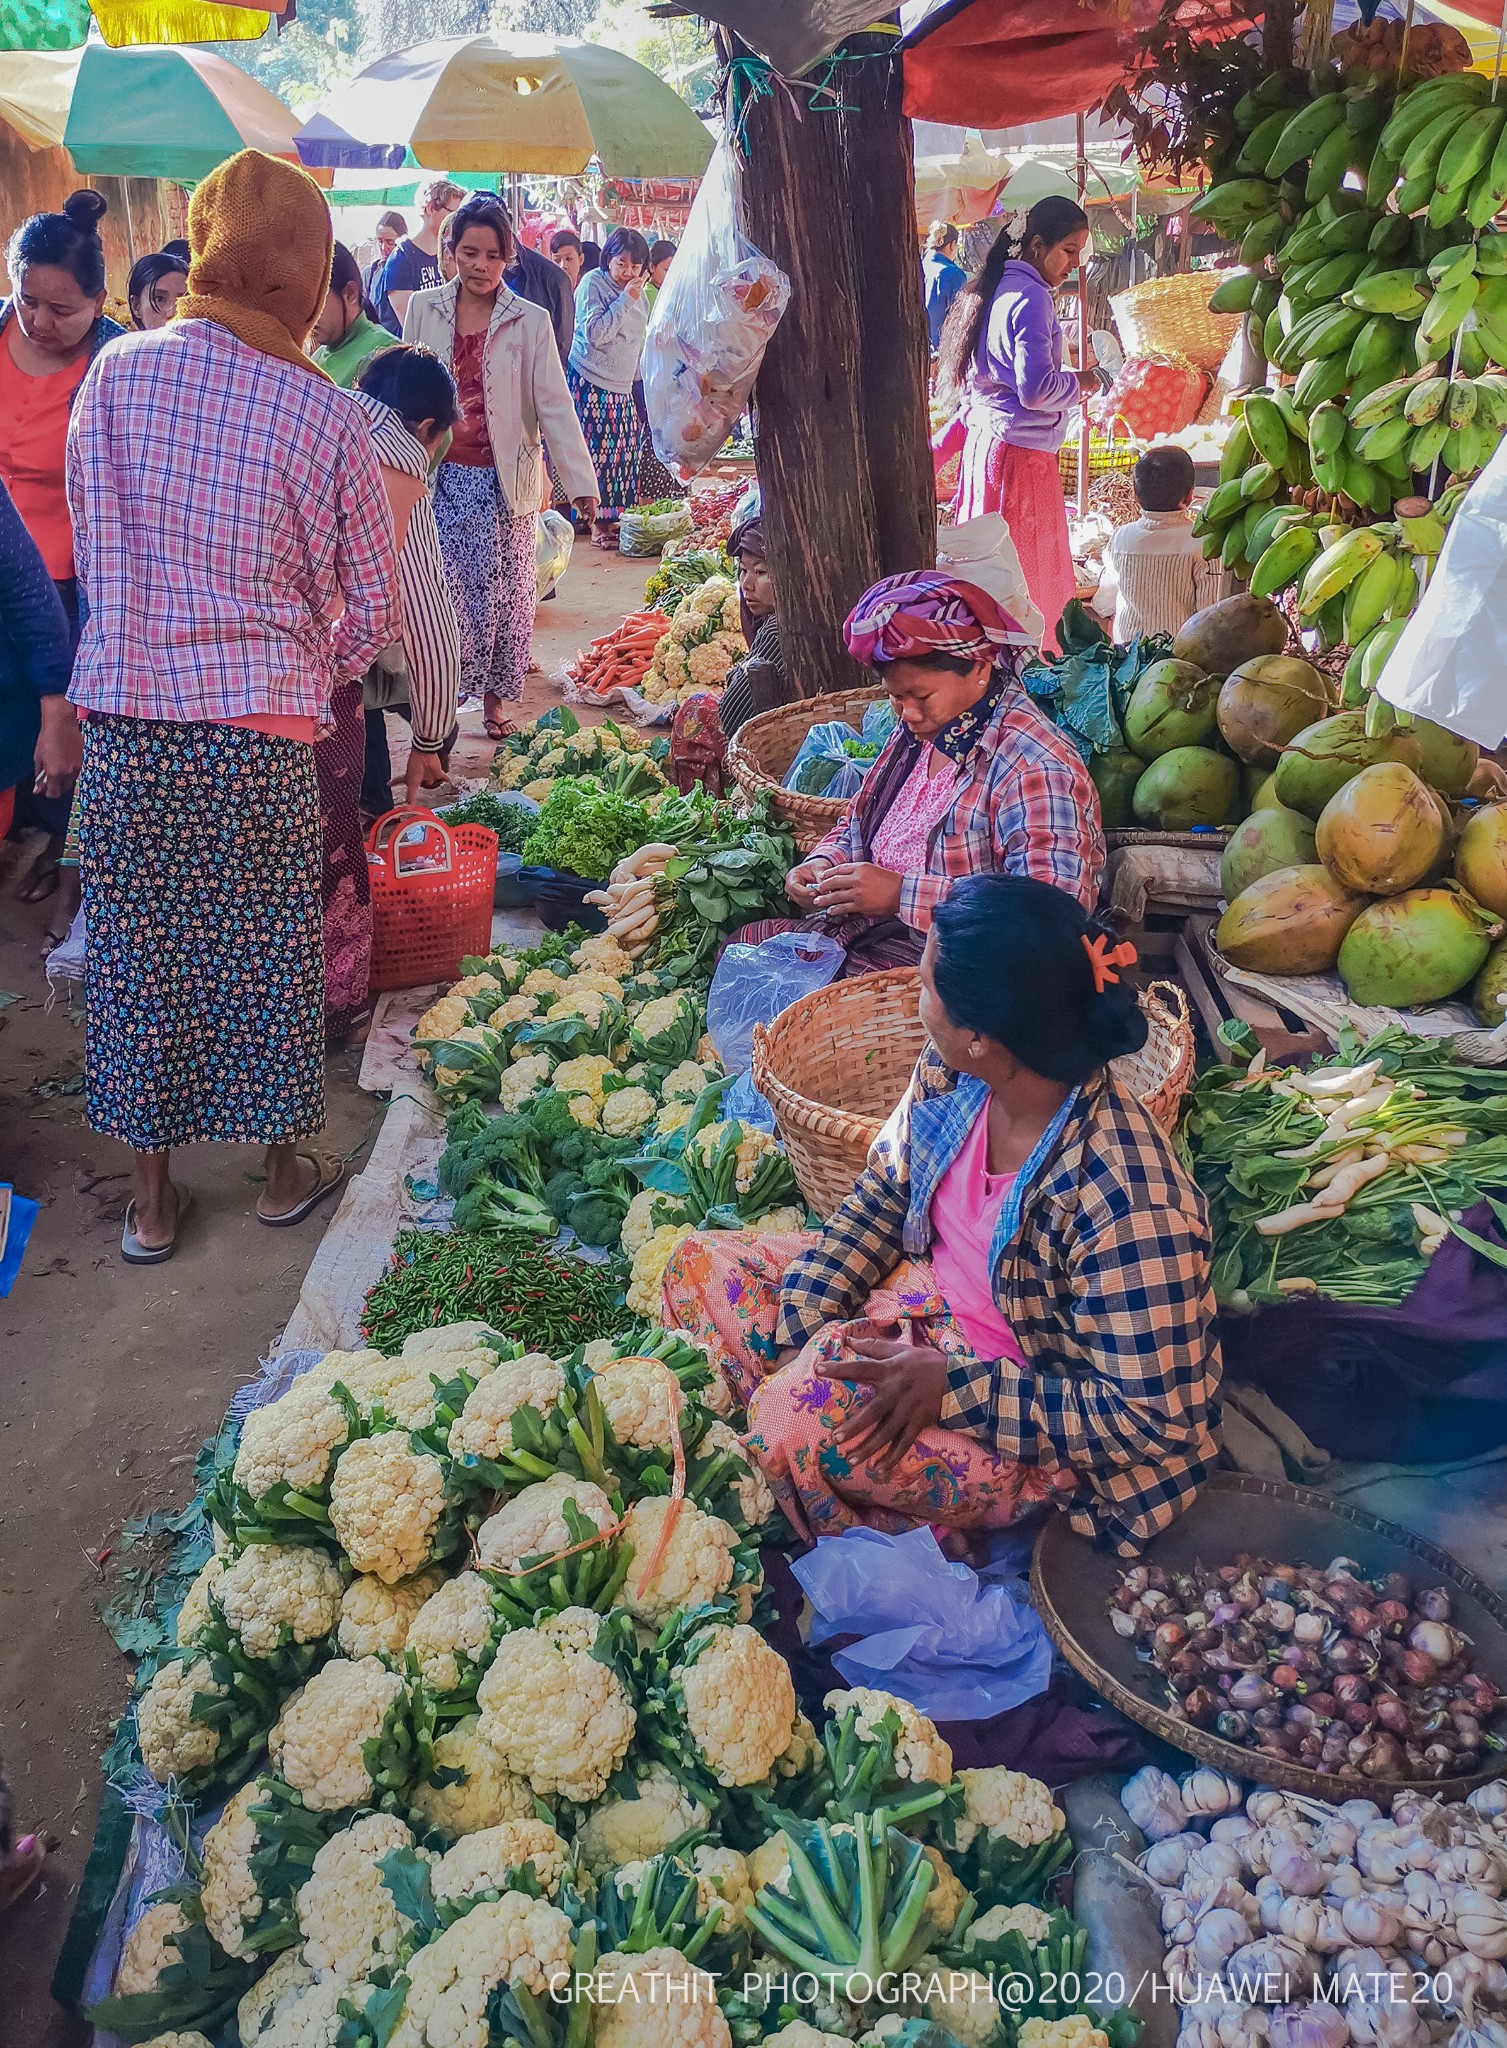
[{"x": 527, "y": 398}]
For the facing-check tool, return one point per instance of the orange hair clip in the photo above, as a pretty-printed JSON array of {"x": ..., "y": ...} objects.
[{"x": 1104, "y": 959}]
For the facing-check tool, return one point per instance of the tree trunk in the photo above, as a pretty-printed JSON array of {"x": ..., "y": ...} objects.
[{"x": 840, "y": 418}]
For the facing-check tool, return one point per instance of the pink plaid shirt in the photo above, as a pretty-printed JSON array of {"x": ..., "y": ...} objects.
[{"x": 225, "y": 506}]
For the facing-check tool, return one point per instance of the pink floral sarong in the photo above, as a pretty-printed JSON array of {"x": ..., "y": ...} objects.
[{"x": 722, "y": 1289}]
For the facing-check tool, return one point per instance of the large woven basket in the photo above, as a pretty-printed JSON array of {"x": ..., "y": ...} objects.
[
  {"x": 762, "y": 749},
  {"x": 834, "y": 1065},
  {"x": 1171, "y": 316}
]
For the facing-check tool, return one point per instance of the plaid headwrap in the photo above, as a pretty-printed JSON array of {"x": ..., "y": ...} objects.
[{"x": 926, "y": 612}]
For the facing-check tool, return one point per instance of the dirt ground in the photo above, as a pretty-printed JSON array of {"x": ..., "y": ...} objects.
[{"x": 114, "y": 1375}]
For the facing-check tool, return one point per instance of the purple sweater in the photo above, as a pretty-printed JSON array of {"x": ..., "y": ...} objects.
[{"x": 1018, "y": 390}]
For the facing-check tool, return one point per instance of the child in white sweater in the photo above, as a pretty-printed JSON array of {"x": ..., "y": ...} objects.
[{"x": 1154, "y": 575}]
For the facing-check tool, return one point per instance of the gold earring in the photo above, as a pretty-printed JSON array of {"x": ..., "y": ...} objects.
[{"x": 975, "y": 1047}]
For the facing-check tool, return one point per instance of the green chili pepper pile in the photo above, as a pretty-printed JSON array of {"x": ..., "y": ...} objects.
[
  {"x": 1342, "y": 1180},
  {"x": 546, "y": 1301}
]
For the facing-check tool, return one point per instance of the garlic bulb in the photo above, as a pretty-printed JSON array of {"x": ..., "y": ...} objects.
[
  {"x": 1385, "y": 2022},
  {"x": 1382, "y": 1853},
  {"x": 1355, "y": 1967},
  {"x": 1152, "y": 1800},
  {"x": 1369, "y": 1923},
  {"x": 1285, "y": 1968},
  {"x": 1345, "y": 1882},
  {"x": 1208, "y": 1791},
  {"x": 1216, "y": 1939},
  {"x": 1359, "y": 1811},
  {"x": 1176, "y": 1965},
  {"x": 1300, "y": 1920},
  {"x": 1264, "y": 1806},
  {"x": 1309, "y": 2026},
  {"x": 1166, "y": 1862},
  {"x": 1481, "y": 1923},
  {"x": 1214, "y": 1860},
  {"x": 1478, "y": 2030},
  {"x": 1335, "y": 1838},
  {"x": 1270, "y": 1899},
  {"x": 1490, "y": 1801},
  {"x": 1472, "y": 1980},
  {"x": 1234, "y": 1828},
  {"x": 1197, "y": 2032},
  {"x": 1472, "y": 1863},
  {"x": 1177, "y": 1917},
  {"x": 1295, "y": 1867},
  {"x": 1244, "y": 2026}
]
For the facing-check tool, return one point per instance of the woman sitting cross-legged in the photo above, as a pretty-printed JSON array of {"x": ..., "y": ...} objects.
[{"x": 1013, "y": 1306}]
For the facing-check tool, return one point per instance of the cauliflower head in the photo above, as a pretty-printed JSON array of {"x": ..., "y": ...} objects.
[
  {"x": 649, "y": 1265},
  {"x": 920, "y": 1752},
  {"x": 350, "y": 1922},
  {"x": 755, "y": 1500},
  {"x": 386, "y": 1501},
  {"x": 316, "y": 1744},
  {"x": 554, "y": 1714},
  {"x": 578, "y": 1000},
  {"x": 229, "y": 1894},
  {"x": 442, "y": 1020},
  {"x": 695, "y": 1565},
  {"x": 312, "y": 2019},
  {"x": 401, "y": 1387},
  {"x": 483, "y": 1429},
  {"x": 376, "y": 1617},
  {"x": 1007, "y": 1803},
  {"x": 532, "y": 1523},
  {"x": 271, "y": 1997},
  {"x": 511, "y": 1940},
  {"x": 753, "y": 1147},
  {"x": 599, "y": 979},
  {"x": 630, "y": 1830},
  {"x": 453, "y": 1632},
  {"x": 739, "y": 1705},
  {"x": 946, "y": 1899},
  {"x": 965, "y": 2002},
  {"x": 150, "y": 1948},
  {"x": 722, "y": 1880},
  {"x": 1076, "y": 2031},
  {"x": 523, "y": 1080},
  {"x": 627, "y": 1111},
  {"x": 486, "y": 1860},
  {"x": 518, "y": 1009},
  {"x": 172, "y": 1742},
  {"x": 292, "y": 1439},
  {"x": 656, "y": 2000},
  {"x": 801, "y": 2034},
  {"x": 1027, "y": 1921},
  {"x": 196, "y": 1614},
  {"x": 768, "y": 1864},
  {"x": 709, "y": 664},
  {"x": 542, "y": 982},
  {"x": 585, "y": 1075},
  {"x": 801, "y": 1750},
  {"x": 685, "y": 1082},
  {"x": 280, "y": 1593},
  {"x": 176, "y": 2038},
  {"x": 485, "y": 1796},
  {"x": 453, "y": 1348},
  {"x": 602, "y": 954},
  {"x": 638, "y": 1224},
  {"x": 642, "y": 1401}
]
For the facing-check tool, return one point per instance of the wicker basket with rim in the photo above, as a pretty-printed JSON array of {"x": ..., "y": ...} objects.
[
  {"x": 761, "y": 751},
  {"x": 834, "y": 1065},
  {"x": 1171, "y": 316}
]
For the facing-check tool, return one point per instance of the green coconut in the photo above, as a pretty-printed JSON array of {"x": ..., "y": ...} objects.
[
  {"x": 1267, "y": 840},
  {"x": 1489, "y": 994},
  {"x": 1288, "y": 922},
  {"x": 1318, "y": 762},
  {"x": 1448, "y": 761},
  {"x": 1115, "y": 776},
  {"x": 1237, "y": 629},
  {"x": 1416, "y": 948},
  {"x": 1260, "y": 791},
  {"x": 1264, "y": 703},
  {"x": 1481, "y": 857},
  {"x": 1188, "y": 787},
  {"x": 1172, "y": 705},
  {"x": 1383, "y": 832}
]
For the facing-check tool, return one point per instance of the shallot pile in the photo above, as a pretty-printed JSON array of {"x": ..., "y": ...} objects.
[
  {"x": 1360, "y": 1678},
  {"x": 1296, "y": 1924}
]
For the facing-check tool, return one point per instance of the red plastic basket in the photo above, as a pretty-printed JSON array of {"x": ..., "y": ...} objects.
[{"x": 432, "y": 887}]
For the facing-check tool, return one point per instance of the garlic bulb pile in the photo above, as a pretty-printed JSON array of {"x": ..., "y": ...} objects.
[{"x": 1296, "y": 1924}]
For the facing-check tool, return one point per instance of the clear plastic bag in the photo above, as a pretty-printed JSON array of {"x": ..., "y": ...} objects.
[
  {"x": 554, "y": 537},
  {"x": 753, "y": 984},
  {"x": 644, "y": 533},
  {"x": 834, "y": 757},
  {"x": 710, "y": 326}
]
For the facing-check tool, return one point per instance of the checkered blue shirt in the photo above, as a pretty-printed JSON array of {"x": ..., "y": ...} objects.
[
  {"x": 224, "y": 504},
  {"x": 1101, "y": 1267}
]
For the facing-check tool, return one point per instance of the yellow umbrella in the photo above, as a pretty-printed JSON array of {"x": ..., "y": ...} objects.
[{"x": 36, "y": 89}]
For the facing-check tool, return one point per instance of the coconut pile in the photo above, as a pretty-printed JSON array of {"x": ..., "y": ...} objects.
[{"x": 1356, "y": 845}]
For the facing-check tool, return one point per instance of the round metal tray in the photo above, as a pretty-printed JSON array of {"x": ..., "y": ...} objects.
[{"x": 1072, "y": 1585}]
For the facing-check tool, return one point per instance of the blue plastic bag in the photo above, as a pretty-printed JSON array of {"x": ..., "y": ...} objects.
[
  {"x": 753, "y": 984},
  {"x": 932, "y": 1631},
  {"x": 834, "y": 757}
]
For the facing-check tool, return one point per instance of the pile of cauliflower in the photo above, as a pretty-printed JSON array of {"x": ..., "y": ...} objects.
[
  {"x": 704, "y": 641},
  {"x": 530, "y": 761}
]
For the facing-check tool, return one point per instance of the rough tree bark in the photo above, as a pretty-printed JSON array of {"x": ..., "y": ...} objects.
[{"x": 840, "y": 415}]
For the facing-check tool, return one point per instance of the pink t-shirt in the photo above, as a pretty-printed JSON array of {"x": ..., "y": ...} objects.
[
  {"x": 900, "y": 839},
  {"x": 964, "y": 1212}
]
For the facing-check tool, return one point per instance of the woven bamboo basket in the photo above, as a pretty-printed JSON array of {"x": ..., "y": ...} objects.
[
  {"x": 834, "y": 1065},
  {"x": 761, "y": 751},
  {"x": 1171, "y": 316}
]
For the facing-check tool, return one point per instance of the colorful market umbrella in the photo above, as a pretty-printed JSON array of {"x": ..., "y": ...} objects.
[
  {"x": 169, "y": 113},
  {"x": 522, "y": 103},
  {"x": 65, "y": 24},
  {"x": 36, "y": 91}
]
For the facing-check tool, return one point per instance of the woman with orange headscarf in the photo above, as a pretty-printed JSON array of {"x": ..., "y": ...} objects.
[{"x": 233, "y": 536}]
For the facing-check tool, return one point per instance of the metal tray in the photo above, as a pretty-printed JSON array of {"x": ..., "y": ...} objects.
[{"x": 1072, "y": 1584}]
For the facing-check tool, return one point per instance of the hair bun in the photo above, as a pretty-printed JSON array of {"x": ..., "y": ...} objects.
[
  {"x": 86, "y": 210},
  {"x": 1119, "y": 1023}
]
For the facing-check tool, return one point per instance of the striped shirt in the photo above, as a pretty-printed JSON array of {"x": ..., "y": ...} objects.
[
  {"x": 1022, "y": 804},
  {"x": 1100, "y": 1265},
  {"x": 430, "y": 641},
  {"x": 230, "y": 528},
  {"x": 1155, "y": 578}
]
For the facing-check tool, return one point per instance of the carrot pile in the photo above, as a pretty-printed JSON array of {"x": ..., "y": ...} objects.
[{"x": 620, "y": 659}]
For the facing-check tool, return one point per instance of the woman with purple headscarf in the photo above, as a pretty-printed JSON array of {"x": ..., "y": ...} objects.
[{"x": 973, "y": 780}]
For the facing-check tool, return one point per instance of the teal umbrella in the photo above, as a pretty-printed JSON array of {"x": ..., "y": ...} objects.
[{"x": 169, "y": 112}]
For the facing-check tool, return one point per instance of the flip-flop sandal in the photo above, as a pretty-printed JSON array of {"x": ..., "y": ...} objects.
[
  {"x": 500, "y": 728},
  {"x": 311, "y": 1201},
  {"x": 134, "y": 1252}
]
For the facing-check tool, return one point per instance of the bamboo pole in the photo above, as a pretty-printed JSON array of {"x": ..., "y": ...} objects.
[{"x": 1084, "y": 361}]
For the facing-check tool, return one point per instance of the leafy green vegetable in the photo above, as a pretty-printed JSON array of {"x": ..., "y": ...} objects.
[
  {"x": 511, "y": 822},
  {"x": 586, "y": 830}
]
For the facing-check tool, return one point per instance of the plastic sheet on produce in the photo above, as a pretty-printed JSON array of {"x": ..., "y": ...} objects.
[
  {"x": 1321, "y": 999},
  {"x": 636, "y": 705}
]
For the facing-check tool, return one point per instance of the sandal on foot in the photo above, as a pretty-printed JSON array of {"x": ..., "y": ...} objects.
[
  {"x": 324, "y": 1184},
  {"x": 134, "y": 1252}
]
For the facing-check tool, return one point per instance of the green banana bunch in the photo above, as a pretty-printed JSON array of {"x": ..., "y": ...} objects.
[
  {"x": 1415, "y": 111},
  {"x": 1366, "y": 663},
  {"x": 1267, "y": 428},
  {"x": 1284, "y": 558},
  {"x": 1337, "y": 566},
  {"x": 1399, "y": 292},
  {"x": 1443, "y": 314}
]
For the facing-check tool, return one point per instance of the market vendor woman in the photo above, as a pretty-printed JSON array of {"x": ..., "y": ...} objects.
[
  {"x": 1013, "y": 1307},
  {"x": 972, "y": 780}
]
